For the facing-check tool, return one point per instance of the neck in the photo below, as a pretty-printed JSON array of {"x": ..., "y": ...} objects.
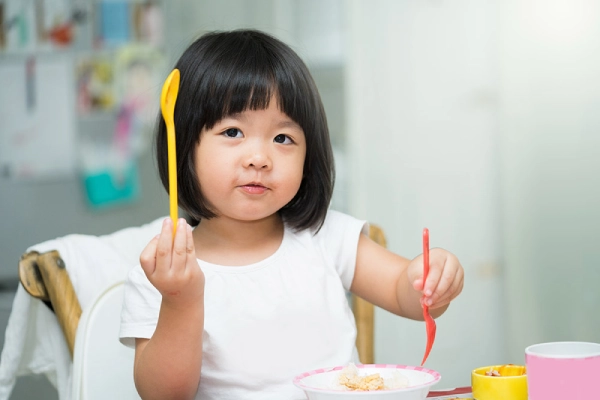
[{"x": 234, "y": 242}]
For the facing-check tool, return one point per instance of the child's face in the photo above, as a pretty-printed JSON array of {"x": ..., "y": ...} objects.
[{"x": 250, "y": 164}]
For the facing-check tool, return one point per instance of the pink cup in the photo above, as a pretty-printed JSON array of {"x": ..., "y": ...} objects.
[{"x": 563, "y": 370}]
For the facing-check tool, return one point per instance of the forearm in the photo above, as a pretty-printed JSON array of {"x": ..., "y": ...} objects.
[
  {"x": 409, "y": 299},
  {"x": 169, "y": 364}
]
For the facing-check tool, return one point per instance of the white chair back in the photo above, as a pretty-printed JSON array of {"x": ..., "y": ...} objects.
[{"x": 102, "y": 366}]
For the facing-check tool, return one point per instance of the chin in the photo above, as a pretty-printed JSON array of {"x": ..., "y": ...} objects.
[{"x": 251, "y": 216}]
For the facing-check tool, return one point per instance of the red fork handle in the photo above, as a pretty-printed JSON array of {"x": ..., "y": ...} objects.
[{"x": 430, "y": 326}]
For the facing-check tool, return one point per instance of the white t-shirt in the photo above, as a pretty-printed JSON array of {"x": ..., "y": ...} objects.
[{"x": 267, "y": 322}]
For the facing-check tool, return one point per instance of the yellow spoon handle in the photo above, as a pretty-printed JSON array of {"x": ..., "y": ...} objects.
[
  {"x": 168, "y": 97},
  {"x": 172, "y": 174}
]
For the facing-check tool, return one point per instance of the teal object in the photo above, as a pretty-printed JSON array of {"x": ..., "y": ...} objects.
[
  {"x": 106, "y": 188},
  {"x": 114, "y": 17},
  {"x": 22, "y": 27}
]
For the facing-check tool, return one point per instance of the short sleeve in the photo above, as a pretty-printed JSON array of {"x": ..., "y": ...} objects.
[
  {"x": 338, "y": 239},
  {"x": 141, "y": 305}
]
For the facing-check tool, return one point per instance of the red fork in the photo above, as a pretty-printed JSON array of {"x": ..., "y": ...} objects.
[{"x": 429, "y": 321}]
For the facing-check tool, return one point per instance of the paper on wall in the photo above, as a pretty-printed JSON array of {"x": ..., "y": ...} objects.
[{"x": 37, "y": 125}]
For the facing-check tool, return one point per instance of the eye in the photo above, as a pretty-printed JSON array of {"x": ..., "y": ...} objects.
[
  {"x": 233, "y": 133},
  {"x": 283, "y": 139}
]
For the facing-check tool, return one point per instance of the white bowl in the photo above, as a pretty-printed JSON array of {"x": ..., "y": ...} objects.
[{"x": 317, "y": 384}]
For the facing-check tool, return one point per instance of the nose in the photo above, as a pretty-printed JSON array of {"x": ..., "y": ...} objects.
[{"x": 258, "y": 158}]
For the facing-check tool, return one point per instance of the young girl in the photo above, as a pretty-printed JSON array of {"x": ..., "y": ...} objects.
[{"x": 256, "y": 293}]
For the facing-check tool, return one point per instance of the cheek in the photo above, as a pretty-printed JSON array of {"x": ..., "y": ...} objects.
[
  {"x": 298, "y": 172},
  {"x": 294, "y": 173},
  {"x": 209, "y": 168}
]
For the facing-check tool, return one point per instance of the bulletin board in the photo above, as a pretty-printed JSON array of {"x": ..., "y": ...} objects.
[{"x": 80, "y": 87}]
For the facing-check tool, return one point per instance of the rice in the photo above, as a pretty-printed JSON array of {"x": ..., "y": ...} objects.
[{"x": 350, "y": 379}]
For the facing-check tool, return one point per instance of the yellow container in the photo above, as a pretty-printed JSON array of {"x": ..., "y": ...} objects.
[{"x": 497, "y": 387}]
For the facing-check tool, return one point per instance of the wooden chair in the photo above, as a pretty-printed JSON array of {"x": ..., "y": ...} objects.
[
  {"x": 364, "y": 312},
  {"x": 44, "y": 277}
]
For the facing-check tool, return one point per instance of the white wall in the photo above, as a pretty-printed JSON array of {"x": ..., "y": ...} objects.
[
  {"x": 422, "y": 132},
  {"x": 550, "y": 169}
]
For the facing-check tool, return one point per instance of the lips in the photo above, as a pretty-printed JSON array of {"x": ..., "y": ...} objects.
[{"x": 253, "y": 188}]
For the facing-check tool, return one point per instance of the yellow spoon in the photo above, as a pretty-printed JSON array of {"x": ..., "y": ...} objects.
[{"x": 168, "y": 97}]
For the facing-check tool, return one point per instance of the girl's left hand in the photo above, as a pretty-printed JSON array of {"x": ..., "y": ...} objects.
[{"x": 445, "y": 279}]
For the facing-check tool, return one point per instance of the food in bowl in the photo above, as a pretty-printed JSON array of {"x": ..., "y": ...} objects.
[
  {"x": 506, "y": 370},
  {"x": 403, "y": 382},
  {"x": 350, "y": 378}
]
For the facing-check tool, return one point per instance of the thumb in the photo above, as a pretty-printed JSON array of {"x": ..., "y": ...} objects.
[
  {"x": 148, "y": 257},
  {"x": 415, "y": 273},
  {"x": 418, "y": 284}
]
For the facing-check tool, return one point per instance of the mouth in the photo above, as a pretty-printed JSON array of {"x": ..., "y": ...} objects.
[{"x": 254, "y": 188}]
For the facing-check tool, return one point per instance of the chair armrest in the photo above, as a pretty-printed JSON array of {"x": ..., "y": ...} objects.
[
  {"x": 44, "y": 276},
  {"x": 364, "y": 312}
]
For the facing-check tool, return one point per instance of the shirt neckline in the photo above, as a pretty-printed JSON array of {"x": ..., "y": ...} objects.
[{"x": 236, "y": 269}]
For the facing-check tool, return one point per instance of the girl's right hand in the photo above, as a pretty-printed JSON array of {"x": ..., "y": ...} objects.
[{"x": 171, "y": 265}]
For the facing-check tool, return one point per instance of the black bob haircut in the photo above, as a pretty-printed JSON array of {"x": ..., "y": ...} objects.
[{"x": 223, "y": 73}]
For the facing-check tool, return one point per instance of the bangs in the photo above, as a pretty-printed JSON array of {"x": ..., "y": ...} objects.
[
  {"x": 247, "y": 79},
  {"x": 250, "y": 91}
]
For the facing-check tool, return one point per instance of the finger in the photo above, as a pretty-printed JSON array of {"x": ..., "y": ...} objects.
[
  {"x": 148, "y": 257},
  {"x": 190, "y": 248},
  {"x": 437, "y": 262},
  {"x": 164, "y": 248},
  {"x": 179, "y": 256},
  {"x": 450, "y": 270},
  {"x": 452, "y": 292},
  {"x": 442, "y": 301}
]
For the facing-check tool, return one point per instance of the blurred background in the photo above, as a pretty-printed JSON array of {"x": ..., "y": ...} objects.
[{"x": 477, "y": 119}]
